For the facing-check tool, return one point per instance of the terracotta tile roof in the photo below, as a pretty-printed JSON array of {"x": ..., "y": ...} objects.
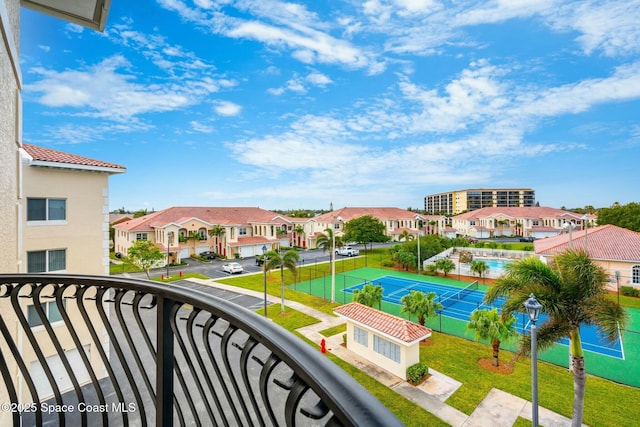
[
  {"x": 385, "y": 323},
  {"x": 211, "y": 215},
  {"x": 606, "y": 242},
  {"x": 533, "y": 212},
  {"x": 347, "y": 214},
  {"x": 53, "y": 156}
]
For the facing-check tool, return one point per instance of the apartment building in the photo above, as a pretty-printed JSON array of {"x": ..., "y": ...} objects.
[
  {"x": 187, "y": 230},
  {"x": 456, "y": 202}
]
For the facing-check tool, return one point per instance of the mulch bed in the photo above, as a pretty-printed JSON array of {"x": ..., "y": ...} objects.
[{"x": 503, "y": 368}]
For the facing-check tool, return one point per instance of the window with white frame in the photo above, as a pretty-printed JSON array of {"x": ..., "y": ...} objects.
[
  {"x": 635, "y": 274},
  {"x": 43, "y": 209},
  {"x": 45, "y": 261},
  {"x": 361, "y": 336},
  {"x": 386, "y": 348},
  {"x": 142, "y": 236},
  {"x": 242, "y": 231},
  {"x": 50, "y": 310}
]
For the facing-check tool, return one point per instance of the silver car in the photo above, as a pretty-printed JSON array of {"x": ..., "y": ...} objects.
[{"x": 232, "y": 267}]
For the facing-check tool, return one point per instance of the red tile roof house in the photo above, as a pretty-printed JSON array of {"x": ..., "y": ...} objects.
[
  {"x": 534, "y": 221},
  {"x": 395, "y": 220},
  {"x": 615, "y": 249},
  {"x": 388, "y": 341},
  {"x": 230, "y": 231}
]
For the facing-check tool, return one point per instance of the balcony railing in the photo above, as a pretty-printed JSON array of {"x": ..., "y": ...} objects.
[{"x": 91, "y": 350}]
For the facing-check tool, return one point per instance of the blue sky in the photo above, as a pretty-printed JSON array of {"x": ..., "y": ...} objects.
[{"x": 288, "y": 105}]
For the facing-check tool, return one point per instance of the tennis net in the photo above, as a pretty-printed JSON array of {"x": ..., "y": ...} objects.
[{"x": 460, "y": 295}]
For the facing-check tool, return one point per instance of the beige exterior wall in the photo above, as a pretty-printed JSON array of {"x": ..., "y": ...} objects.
[
  {"x": 10, "y": 133},
  {"x": 85, "y": 232},
  {"x": 409, "y": 354}
]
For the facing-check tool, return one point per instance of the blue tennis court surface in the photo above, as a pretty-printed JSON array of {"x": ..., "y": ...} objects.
[{"x": 459, "y": 303}]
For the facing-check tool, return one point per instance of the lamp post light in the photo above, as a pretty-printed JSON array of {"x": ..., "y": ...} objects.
[
  {"x": 618, "y": 285},
  {"x": 569, "y": 226},
  {"x": 533, "y": 308},
  {"x": 169, "y": 236},
  {"x": 264, "y": 269},
  {"x": 584, "y": 218},
  {"x": 332, "y": 257}
]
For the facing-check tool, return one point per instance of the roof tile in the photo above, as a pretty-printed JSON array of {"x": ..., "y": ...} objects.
[
  {"x": 48, "y": 155},
  {"x": 386, "y": 323}
]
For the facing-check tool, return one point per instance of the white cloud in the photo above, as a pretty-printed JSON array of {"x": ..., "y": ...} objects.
[
  {"x": 227, "y": 108},
  {"x": 200, "y": 127}
]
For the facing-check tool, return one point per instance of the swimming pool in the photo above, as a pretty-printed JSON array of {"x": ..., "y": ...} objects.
[{"x": 493, "y": 263}]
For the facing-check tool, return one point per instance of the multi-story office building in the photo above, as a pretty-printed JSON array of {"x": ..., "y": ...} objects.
[{"x": 456, "y": 202}]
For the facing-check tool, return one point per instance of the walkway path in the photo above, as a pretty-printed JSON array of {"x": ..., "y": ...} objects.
[{"x": 497, "y": 409}]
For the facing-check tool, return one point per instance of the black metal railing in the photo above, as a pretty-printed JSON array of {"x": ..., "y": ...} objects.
[{"x": 91, "y": 350}]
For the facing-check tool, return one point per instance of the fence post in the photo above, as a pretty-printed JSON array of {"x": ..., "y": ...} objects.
[{"x": 164, "y": 366}]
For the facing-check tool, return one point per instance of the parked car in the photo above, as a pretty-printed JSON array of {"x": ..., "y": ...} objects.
[
  {"x": 261, "y": 259},
  {"x": 347, "y": 251},
  {"x": 527, "y": 239},
  {"x": 208, "y": 254},
  {"x": 232, "y": 267}
]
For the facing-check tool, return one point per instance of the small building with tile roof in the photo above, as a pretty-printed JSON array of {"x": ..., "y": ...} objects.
[
  {"x": 390, "y": 342},
  {"x": 614, "y": 248}
]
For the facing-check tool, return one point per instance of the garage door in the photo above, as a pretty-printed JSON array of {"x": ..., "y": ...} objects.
[
  {"x": 184, "y": 253},
  {"x": 200, "y": 249},
  {"x": 59, "y": 373},
  {"x": 247, "y": 251}
]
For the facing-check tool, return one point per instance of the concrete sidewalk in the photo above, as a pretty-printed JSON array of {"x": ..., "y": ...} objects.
[{"x": 497, "y": 409}]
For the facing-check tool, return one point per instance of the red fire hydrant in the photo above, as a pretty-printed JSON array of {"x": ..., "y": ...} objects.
[
  {"x": 323, "y": 346},
  {"x": 181, "y": 274}
]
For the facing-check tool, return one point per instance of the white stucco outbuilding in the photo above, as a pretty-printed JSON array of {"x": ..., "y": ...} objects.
[{"x": 391, "y": 342}]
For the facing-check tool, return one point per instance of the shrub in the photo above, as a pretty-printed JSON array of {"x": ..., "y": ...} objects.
[
  {"x": 387, "y": 263},
  {"x": 465, "y": 257},
  {"x": 431, "y": 270},
  {"x": 630, "y": 291},
  {"x": 344, "y": 339},
  {"x": 415, "y": 373}
]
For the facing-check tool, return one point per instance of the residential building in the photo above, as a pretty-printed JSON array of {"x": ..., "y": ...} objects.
[
  {"x": 233, "y": 232},
  {"x": 395, "y": 220},
  {"x": 456, "y": 202},
  {"x": 66, "y": 212},
  {"x": 614, "y": 248},
  {"x": 537, "y": 222}
]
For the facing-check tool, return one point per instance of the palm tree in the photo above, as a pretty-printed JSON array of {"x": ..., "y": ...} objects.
[
  {"x": 217, "y": 231},
  {"x": 480, "y": 267},
  {"x": 421, "y": 305},
  {"x": 369, "y": 295},
  {"x": 572, "y": 292},
  {"x": 405, "y": 235},
  {"x": 289, "y": 261},
  {"x": 489, "y": 325},
  {"x": 299, "y": 231},
  {"x": 446, "y": 265}
]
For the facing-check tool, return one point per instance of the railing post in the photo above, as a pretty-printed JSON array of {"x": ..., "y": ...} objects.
[{"x": 164, "y": 365}]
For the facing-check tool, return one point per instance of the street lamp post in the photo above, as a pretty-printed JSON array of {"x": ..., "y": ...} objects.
[
  {"x": 533, "y": 309},
  {"x": 264, "y": 269},
  {"x": 618, "y": 285},
  {"x": 569, "y": 226},
  {"x": 332, "y": 256},
  {"x": 169, "y": 235},
  {"x": 584, "y": 224}
]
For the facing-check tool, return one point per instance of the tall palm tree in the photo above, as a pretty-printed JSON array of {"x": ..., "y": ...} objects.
[
  {"x": 446, "y": 265},
  {"x": 421, "y": 305},
  {"x": 369, "y": 295},
  {"x": 288, "y": 260},
  {"x": 490, "y": 325},
  {"x": 405, "y": 235},
  {"x": 217, "y": 231},
  {"x": 572, "y": 293}
]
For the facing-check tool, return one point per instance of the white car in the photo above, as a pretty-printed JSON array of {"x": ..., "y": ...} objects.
[{"x": 232, "y": 267}]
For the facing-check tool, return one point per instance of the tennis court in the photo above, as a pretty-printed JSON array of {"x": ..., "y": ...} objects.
[{"x": 459, "y": 303}]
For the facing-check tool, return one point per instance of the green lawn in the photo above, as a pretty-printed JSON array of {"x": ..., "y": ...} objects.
[{"x": 606, "y": 402}]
